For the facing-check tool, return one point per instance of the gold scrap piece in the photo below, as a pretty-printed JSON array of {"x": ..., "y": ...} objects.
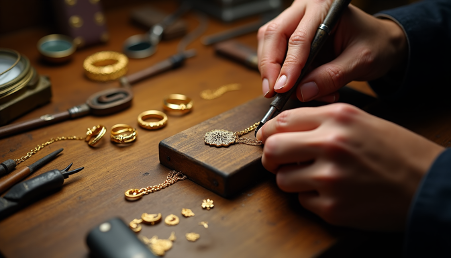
[
  {"x": 220, "y": 138},
  {"x": 172, "y": 236},
  {"x": 151, "y": 219},
  {"x": 204, "y": 223},
  {"x": 192, "y": 236},
  {"x": 207, "y": 204},
  {"x": 135, "y": 225},
  {"x": 187, "y": 213},
  {"x": 171, "y": 220}
]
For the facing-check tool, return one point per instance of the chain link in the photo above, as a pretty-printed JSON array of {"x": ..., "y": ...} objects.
[
  {"x": 209, "y": 94},
  {"x": 171, "y": 179},
  {"x": 41, "y": 146},
  {"x": 247, "y": 130},
  {"x": 248, "y": 141}
]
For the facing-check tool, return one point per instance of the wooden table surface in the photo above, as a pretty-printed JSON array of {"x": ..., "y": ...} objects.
[{"x": 261, "y": 222}]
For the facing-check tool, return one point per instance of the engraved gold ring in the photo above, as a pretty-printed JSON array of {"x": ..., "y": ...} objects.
[
  {"x": 178, "y": 103},
  {"x": 94, "y": 134},
  {"x": 105, "y": 66},
  {"x": 152, "y": 114},
  {"x": 123, "y": 133}
]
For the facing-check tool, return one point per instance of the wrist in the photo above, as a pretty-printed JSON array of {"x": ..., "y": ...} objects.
[{"x": 397, "y": 39}]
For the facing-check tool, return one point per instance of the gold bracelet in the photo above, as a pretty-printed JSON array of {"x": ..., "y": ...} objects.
[
  {"x": 94, "y": 134},
  {"x": 119, "y": 133},
  {"x": 152, "y": 114},
  {"x": 178, "y": 103},
  {"x": 105, "y": 66}
]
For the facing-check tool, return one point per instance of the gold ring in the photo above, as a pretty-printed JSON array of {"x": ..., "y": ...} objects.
[
  {"x": 123, "y": 133},
  {"x": 178, "y": 102},
  {"x": 152, "y": 114},
  {"x": 105, "y": 66},
  {"x": 94, "y": 134}
]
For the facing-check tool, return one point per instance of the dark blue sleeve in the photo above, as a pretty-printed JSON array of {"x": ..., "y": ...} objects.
[
  {"x": 429, "y": 223},
  {"x": 427, "y": 77}
]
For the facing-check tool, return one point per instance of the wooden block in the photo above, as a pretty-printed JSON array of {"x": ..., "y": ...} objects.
[{"x": 224, "y": 170}]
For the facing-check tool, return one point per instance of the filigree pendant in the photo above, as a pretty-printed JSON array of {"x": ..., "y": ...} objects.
[{"x": 220, "y": 138}]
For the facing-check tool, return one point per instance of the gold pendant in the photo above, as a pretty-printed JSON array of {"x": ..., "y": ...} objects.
[{"x": 224, "y": 138}]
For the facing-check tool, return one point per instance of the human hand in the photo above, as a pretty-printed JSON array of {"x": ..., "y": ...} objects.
[
  {"x": 363, "y": 48},
  {"x": 349, "y": 167}
]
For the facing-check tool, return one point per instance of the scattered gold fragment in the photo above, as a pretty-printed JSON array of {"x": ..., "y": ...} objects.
[
  {"x": 135, "y": 225},
  {"x": 192, "y": 236},
  {"x": 157, "y": 246},
  {"x": 204, "y": 223},
  {"x": 207, "y": 204},
  {"x": 172, "y": 220},
  {"x": 151, "y": 219},
  {"x": 187, "y": 213},
  {"x": 172, "y": 236}
]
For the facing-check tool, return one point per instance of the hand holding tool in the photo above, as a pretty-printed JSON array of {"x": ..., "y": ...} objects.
[
  {"x": 30, "y": 190},
  {"x": 322, "y": 34}
]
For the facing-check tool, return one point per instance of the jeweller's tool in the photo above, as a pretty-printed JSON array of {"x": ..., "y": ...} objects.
[
  {"x": 224, "y": 138},
  {"x": 172, "y": 178},
  {"x": 233, "y": 33},
  {"x": 322, "y": 34},
  {"x": 141, "y": 46},
  {"x": 30, "y": 190},
  {"x": 238, "y": 52},
  {"x": 9, "y": 181}
]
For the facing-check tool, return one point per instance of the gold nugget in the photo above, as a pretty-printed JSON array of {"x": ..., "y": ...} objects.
[
  {"x": 158, "y": 246},
  {"x": 204, "y": 223},
  {"x": 192, "y": 236},
  {"x": 187, "y": 213},
  {"x": 207, "y": 204},
  {"x": 171, "y": 220},
  {"x": 151, "y": 219},
  {"x": 135, "y": 225}
]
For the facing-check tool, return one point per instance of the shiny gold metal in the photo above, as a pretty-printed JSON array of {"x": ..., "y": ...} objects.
[
  {"x": 178, "y": 103},
  {"x": 207, "y": 204},
  {"x": 94, "y": 134},
  {"x": 105, "y": 66},
  {"x": 187, "y": 213},
  {"x": 135, "y": 225},
  {"x": 152, "y": 114},
  {"x": 209, "y": 94},
  {"x": 151, "y": 219},
  {"x": 171, "y": 220},
  {"x": 204, "y": 223},
  {"x": 192, "y": 236},
  {"x": 172, "y": 236},
  {"x": 224, "y": 138},
  {"x": 158, "y": 246},
  {"x": 123, "y": 133},
  {"x": 172, "y": 178},
  {"x": 75, "y": 21}
]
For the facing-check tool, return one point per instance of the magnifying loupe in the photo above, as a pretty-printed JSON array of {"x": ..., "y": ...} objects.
[{"x": 145, "y": 45}]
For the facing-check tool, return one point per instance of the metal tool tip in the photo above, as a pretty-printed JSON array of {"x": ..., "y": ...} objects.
[{"x": 258, "y": 127}]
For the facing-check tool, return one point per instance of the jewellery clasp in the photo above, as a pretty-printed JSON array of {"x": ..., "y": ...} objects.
[{"x": 133, "y": 194}]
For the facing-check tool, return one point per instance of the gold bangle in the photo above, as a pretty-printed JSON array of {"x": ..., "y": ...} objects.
[
  {"x": 105, "y": 66},
  {"x": 152, "y": 114},
  {"x": 178, "y": 103},
  {"x": 97, "y": 132},
  {"x": 119, "y": 133}
]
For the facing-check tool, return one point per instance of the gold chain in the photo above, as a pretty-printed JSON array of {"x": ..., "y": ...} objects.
[
  {"x": 41, "y": 146},
  {"x": 172, "y": 178},
  {"x": 209, "y": 94},
  {"x": 247, "y": 130}
]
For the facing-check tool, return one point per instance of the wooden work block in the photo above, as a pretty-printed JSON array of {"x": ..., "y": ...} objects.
[{"x": 223, "y": 170}]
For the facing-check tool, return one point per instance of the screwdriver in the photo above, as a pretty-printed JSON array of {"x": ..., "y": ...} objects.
[{"x": 30, "y": 190}]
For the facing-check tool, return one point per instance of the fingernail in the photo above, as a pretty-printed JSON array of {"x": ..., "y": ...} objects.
[
  {"x": 265, "y": 86},
  {"x": 280, "y": 82},
  {"x": 309, "y": 90}
]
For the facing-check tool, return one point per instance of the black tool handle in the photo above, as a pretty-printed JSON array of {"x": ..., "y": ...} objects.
[
  {"x": 34, "y": 188},
  {"x": 320, "y": 38}
]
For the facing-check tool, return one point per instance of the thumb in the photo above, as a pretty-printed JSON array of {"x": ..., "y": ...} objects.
[{"x": 328, "y": 78}]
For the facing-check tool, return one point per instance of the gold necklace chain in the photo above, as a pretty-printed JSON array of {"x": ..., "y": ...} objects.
[
  {"x": 224, "y": 138},
  {"x": 172, "y": 178},
  {"x": 209, "y": 94}
]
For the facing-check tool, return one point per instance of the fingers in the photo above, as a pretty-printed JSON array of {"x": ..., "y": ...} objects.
[
  {"x": 297, "y": 178},
  {"x": 300, "y": 119},
  {"x": 299, "y": 46},
  {"x": 272, "y": 45}
]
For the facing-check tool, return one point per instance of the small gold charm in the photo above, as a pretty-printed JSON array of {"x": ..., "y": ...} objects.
[
  {"x": 192, "y": 236},
  {"x": 135, "y": 225},
  {"x": 187, "y": 213},
  {"x": 172, "y": 236},
  {"x": 151, "y": 219},
  {"x": 207, "y": 204},
  {"x": 220, "y": 138},
  {"x": 204, "y": 223},
  {"x": 171, "y": 220}
]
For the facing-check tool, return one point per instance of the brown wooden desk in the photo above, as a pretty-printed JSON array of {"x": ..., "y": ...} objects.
[{"x": 261, "y": 222}]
